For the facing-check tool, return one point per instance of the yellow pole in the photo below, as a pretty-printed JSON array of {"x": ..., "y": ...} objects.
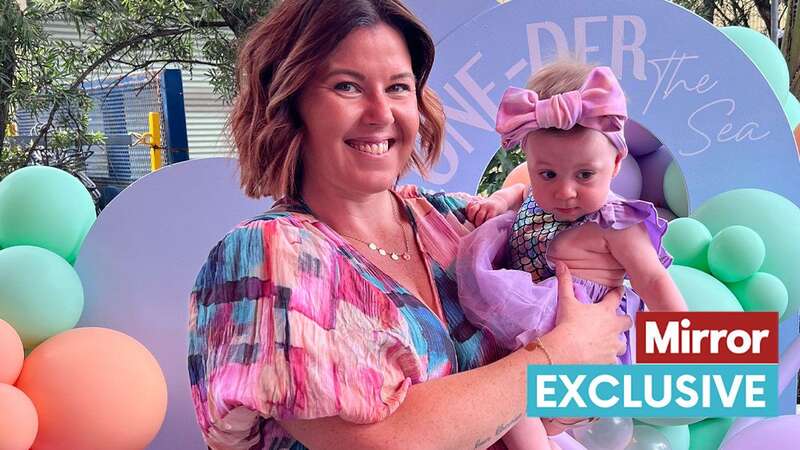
[{"x": 154, "y": 120}]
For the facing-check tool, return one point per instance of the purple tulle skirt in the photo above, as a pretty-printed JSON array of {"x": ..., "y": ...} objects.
[{"x": 507, "y": 302}]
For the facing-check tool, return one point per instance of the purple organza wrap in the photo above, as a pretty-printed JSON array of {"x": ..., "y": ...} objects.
[{"x": 516, "y": 310}]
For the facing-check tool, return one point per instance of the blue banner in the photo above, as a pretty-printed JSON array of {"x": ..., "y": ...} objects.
[{"x": 653, "y": 390}]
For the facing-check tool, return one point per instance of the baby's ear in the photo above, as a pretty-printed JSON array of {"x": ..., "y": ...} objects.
[{"x": 617, "y": 163}]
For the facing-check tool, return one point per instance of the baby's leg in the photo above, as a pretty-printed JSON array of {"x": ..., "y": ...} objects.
[{"x": 527, "y": 434}]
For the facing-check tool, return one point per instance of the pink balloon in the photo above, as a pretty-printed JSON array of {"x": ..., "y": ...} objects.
[
  {"x": 19, "y": 422},
  {"x": 11, "y": 353}
]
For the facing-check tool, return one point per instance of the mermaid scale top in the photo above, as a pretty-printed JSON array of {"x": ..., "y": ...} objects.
[{"x": 534, "y": 230}]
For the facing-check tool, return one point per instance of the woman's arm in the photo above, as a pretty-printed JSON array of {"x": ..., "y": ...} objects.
[
  {"x": 633, "y": 249},
  {"x": 474, "y": 409}
]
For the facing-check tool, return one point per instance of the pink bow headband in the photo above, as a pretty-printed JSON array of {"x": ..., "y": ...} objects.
[{"x": 599, "y": 104}]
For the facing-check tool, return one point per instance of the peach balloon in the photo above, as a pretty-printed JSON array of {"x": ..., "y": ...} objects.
[
  {"x": 11, "y": 354},
  {"x": 797, "y": 139},
  {"x": 19, "y": 422},
  {"x": 518, "y": 175},
  {"x": 94, "y": 388}
]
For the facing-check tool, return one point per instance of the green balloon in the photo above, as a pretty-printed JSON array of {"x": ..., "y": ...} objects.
[
  {"x": 708, "y": 434},
  {"x": 678, "y": 436},
  {"x": 761, "y": 292},
  {"x": 735, "y": 253},
  {"x": 765, "y": 55},
  {"x": 687, "y": 241},
  {"x": 701, "y": 291},
  {"x": 792, "y": 108},
  {"x": 45, "y": 207},
  {"x": 40, "y": 293},
  {"x": 646, "y": 437},
  {"x": 675, "y": 190},
  {"x": 774, "y": 218}
]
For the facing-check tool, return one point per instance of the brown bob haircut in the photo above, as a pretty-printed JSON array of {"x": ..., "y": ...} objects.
[{"x": 281, "y": 54}]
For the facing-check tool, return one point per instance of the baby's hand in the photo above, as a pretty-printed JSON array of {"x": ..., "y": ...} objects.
[{"x": 483, "y": 209}]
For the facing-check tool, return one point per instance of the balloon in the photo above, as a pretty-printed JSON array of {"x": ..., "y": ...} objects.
[
  {"x": 707, "y": 434},
  {"x": 677, "y": 435},
  {"x": 735, "y": 253},
  {"x": 687, "y": 241},
  {"x": 11, "y": 354},
  {"x": 19, "y": 421},
  {"x": 628, "y": 182},
  {"x": 654, "y": 167},
  {"x": 669, "y": 421},
  {"x": 765, "y": 55},
  {"x": 777, "y": 222},
  {"x": 778, "y": 433},
  {"x": 675, "y": 190},
  {"x": 797, "y": 139},
  {"x": 640, "y": 140},
  {"x": 95, "y": 388},
  {"x": 761, "y": 292},
  {"x": 45, "y": 207},
  {"x": 792, "y": 108},
  {"x": 518, "y": 174},
  {"x": 666, "y": 214},
  {"x": 40, "y": 293},
  {"x": 607, "y": 433},
  {"x": 646, "y": 437},
  {"x": 701, "y": 291}
]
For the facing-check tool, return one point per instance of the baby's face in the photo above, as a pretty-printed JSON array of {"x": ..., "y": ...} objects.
[{"x": 570, "y": 171}]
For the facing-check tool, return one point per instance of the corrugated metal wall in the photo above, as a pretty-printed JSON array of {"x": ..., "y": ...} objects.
[{"x": 206, "y": 114}]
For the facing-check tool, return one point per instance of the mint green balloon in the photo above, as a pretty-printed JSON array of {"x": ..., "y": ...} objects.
[
  {"x": 765, "y": 55},
  {"x": 701, "y": 291},
  {"x": 761, "y": 292},
  {"x": 687, "y": 241},
  {"x": 675, "y": 190},
  {"x": 774, "y": 218},
  {"x": 646, "y": 437},
  {"x": 40, "y": 293},
  {"x": 792, "y": 108},
  {"x": 45, "y": 207},
  {"x": 735, "y": 253},
  {"x": 708, "y": 434},
  {"x": 678, "y": 436}
]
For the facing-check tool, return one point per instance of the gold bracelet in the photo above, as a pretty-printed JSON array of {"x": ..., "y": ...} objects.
[{"x": 544, "y": 350}]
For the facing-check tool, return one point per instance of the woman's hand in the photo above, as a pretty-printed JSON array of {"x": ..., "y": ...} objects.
[{"x": 585, "y": 334}]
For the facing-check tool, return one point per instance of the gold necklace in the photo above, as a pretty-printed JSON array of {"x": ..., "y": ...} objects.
[{"x": 405, "y": 256}]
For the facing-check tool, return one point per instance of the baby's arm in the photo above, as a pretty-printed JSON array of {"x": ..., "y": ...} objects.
[
  {"x": 506, "y": 199},
  {"x": 632, "y": 248}
]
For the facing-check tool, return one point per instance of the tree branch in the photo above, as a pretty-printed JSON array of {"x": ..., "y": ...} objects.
[{"x": 103, "y": 58}]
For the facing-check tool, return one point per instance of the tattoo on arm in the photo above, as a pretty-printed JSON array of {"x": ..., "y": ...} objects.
[{"x": 501, "y": 429}]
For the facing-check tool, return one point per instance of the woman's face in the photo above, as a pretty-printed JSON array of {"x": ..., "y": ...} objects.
[{"x": 360, "y": 114}]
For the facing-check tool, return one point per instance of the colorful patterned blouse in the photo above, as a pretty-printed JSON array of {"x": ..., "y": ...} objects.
[{"x": 288, "y": 321}]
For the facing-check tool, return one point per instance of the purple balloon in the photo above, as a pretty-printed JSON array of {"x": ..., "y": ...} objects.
[
  {"x": 628, "y": 182},
  {"x": 653, "y": 168},
  {"x": 139, "y": 262},
  {"x": 640, "y": 140},
  {"x": 778, "y": 433}
]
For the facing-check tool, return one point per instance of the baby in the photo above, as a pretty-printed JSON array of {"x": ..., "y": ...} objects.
[{"x": 569, "y": 123}]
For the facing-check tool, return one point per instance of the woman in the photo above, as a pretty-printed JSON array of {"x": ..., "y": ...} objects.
[{"x": 331, "y": 321}]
